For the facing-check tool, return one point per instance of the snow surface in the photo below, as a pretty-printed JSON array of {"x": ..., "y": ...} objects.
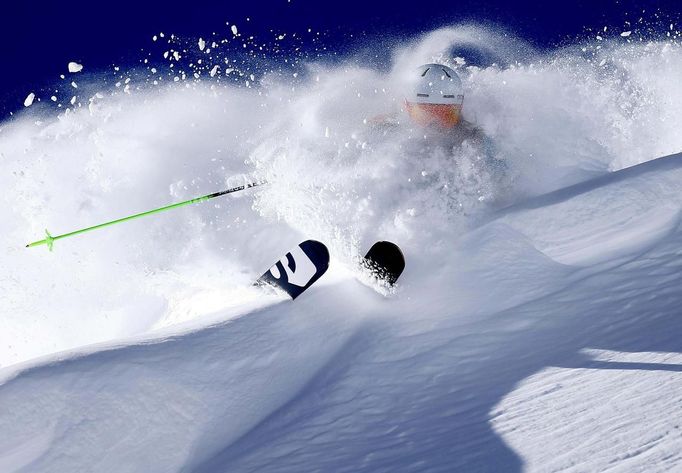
[{"x": 536, "y": 326}]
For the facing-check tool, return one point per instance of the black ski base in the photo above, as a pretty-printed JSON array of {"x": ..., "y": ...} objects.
[{"x": 386, "y": 261}]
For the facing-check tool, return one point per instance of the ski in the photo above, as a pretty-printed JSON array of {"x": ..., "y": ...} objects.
[
  {"x": 385, "y": 262},
  {"x": 298, "y": 269},
  {"x": 307, "y": 262}
]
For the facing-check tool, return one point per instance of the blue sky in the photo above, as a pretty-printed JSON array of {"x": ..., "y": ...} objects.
[{"x": 37, "y": 39}]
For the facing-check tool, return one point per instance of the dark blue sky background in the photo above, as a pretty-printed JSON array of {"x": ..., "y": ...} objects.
[{"x": 37, "y": 39}]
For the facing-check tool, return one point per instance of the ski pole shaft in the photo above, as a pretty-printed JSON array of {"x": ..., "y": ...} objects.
[{"x": 49, "y": 239}]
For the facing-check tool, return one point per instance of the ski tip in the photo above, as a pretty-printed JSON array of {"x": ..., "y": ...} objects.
[
  {"x": 318, "y": 250},
  {"x": 298, "y": 269},
  {"x": 386, "y": 261},
  {"x": 389, "y": 244}
]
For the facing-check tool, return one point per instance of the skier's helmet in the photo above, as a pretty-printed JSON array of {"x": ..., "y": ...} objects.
[{"x": 437, "y": 97}]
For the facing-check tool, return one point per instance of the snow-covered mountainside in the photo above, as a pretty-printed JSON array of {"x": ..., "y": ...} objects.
[
  {"x": 536, "y": 326},
  {"x": 501, "y": 355}
]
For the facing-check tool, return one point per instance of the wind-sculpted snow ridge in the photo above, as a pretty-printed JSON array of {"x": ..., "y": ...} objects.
[{"x": 460, "y": 371}]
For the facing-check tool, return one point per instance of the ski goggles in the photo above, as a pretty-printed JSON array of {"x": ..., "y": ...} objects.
[{"x": 434, "y": 114}]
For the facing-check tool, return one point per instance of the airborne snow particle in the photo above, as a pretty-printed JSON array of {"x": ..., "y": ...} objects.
[
  {"x": 53, "y": 98},
  {"x": 625, "y": 34},
  {"x": 75, "y": 67},
  {"x": 29, "y": 100},
  {"x": 74, "y": 85},
  {"x": 214, "y": 71},
  {"x": 73, "y": 100},
  {"x": 202, "y": 44},
  {"x": 234, "y": 30}
]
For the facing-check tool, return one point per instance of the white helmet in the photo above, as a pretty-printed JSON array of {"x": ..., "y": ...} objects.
[
  {"x": 437, "y": 97},
  {"x": 437, "y": 84}
]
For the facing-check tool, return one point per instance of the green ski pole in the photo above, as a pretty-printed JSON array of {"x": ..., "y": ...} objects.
[{"x": 49, "y": 239}]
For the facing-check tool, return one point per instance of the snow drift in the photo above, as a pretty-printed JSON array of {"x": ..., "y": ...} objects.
[{"x": 348, "y": 381}]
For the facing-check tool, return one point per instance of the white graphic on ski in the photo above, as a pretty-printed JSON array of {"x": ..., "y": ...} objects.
[{"x": 302, "y": 272}]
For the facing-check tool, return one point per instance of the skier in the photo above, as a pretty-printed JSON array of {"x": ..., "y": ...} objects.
[
  {"x": 435, "y": 103},
  {"x": 435, "y": 124}
]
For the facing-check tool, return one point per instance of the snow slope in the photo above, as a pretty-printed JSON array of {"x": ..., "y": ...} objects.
[
  {"x": 518, "y": 360},
  {"x": 535, "y": 327}
]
